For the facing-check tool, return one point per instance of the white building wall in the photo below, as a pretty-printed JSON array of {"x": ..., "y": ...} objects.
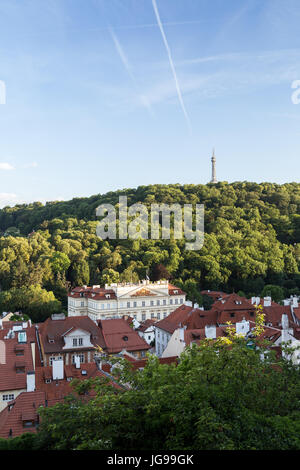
[{"x": 176, "y": 344}]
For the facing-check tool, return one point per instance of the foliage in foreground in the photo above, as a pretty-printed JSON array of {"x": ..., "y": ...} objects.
[{"x": 220, "y": 396}]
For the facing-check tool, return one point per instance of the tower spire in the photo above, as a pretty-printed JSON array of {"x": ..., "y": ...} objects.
[{"x": 213, "y": 169}]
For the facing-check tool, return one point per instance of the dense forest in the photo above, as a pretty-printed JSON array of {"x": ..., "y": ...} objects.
[{"x": 252, "y": 243}]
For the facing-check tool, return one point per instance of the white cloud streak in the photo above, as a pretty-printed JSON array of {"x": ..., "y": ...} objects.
[
  {"x": 6, "y": 166},
  {"x": 179, "y": 94},
  {"x": 124, "y": 59}
]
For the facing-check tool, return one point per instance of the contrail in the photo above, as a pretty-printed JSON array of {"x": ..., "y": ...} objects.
[
  {"x": 171, "y": 64},
  {"x": 128, "y": 67}
]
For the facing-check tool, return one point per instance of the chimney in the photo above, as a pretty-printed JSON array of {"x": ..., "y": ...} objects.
[
  {"x": 267, "y": 301},
  {"x": 242, "y": 327},
  {"x": 58, "y": 370},
  {"x": 285, "y": 321},
  {"x": 211, "y": 331},
  {"x": 30, "y": 382}
]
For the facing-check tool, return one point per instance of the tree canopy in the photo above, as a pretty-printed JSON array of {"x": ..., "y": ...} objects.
[{"x": 251, "y": 242}]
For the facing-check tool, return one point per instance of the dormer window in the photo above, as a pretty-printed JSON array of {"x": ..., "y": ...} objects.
[
  {"x": 50, "y": 338},
  {"x": 107, "y": 296},
  {"x": 22, "y": 338}
]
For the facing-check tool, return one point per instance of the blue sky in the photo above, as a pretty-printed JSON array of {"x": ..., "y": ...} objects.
[{"x": 110, "y": 94}]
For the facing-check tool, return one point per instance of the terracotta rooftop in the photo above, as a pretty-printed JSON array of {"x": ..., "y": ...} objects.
[
  {"x": 116, "y": 335},
  {"x": 16, "y": 418},
  {"x": 177, "y": 317},
  {"x": 55, "y": 330},
  {"x": 146, "y": 324},
  {"x": 14, "y": 355}
]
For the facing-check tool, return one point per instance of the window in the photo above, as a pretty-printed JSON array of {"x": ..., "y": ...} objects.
[
  {"x": 81, "y": 304},
  {"x": 152, "y": 314},
  {"x": 54, "y": 358},
  {"x": 108, "y": 306},
  {"x": 176, "y": 301},
  {"x": 28, "y": 424},
  {"x": 8, "y": 397},
  {"x": 151, "y": 303},
  {"x": 143, "y": 316},
  {"x": 165, "y": 314},
  {"x": 128, "y": 304},
  {"x": 149, "y": 337},
  {"x": 80, "y": 341},
  {"x": 164, "y": 302},
  {"x": 134, "y": 304},
  {"x": 232, "y": 315},
  {"x": 181, "y": 301},
  {"x": 143, "y": 303},
  {"x": 81, "y": 357},
  {"x": 158, "y": 315},
  {"x": 22, "y": 337},
  {"x": 171, "y": 301},
  {"x": 158, "y": 302},
  {"x": 74, "y": 341},
  {"x": 102, "y": 306}
]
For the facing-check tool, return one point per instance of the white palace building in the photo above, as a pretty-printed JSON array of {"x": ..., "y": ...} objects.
[{"x": 142, "y": 301}]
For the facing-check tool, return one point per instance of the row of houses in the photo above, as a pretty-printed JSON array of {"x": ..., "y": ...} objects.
[
  {"x": 188, "y": 324},
  {"x": 39, "y": 361}
]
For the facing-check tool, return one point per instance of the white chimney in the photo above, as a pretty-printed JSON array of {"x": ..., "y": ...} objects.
[
  {"x": 285, "y": 321},
  {"x": 242, "y": 327},
  {"x": 211, "y": 331},
  {"x": 30, "y": 382},
  {"x": 267, "y": 301},
  {"x": 58, "y": 369},
  {"x": 77, "y": 362}
]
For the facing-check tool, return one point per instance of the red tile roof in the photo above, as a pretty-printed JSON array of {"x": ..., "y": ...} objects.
[
  {"x": 56, "y": 329},
  {"x": 118, "y": 335},
  {"x": 146, "y": 324},
  {"x": 47, "y": 394},
  {"x": 9, "y": 360},
  {"x": 24, "y": 408},
  {"x": 177, "y": 317},
  {"x": 197, "y": 335},
  {"x": 214, "y": 294},
  {"x": 274, "y": 314},
  {"x": 173, "y": 290},
  {"x": 96, "y": 293}
]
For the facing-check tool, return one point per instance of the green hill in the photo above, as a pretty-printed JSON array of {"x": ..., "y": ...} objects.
[{"x": 252, "y": 235}]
